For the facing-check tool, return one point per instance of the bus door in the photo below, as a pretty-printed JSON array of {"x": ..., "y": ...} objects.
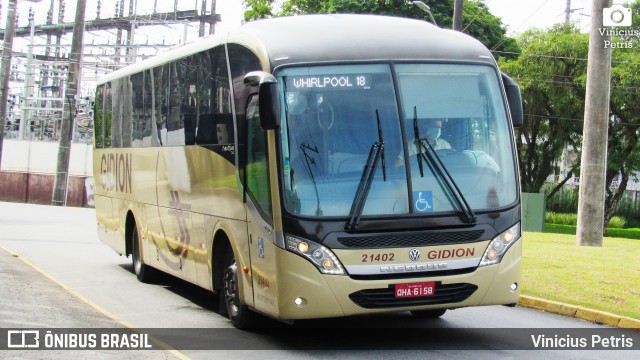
[{"x": 259, "y": 213}]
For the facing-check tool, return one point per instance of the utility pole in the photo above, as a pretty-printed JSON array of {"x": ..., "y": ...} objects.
[
  {"x": 567, "y": 12},
  {"x": 595, "y": 135},
  {"x": 27, "y": 92},
  {"x": 212, "y": 25},
  {"x": 6, "y": 67},
  {"x": 203, "y": 10},
  {"x": 457, "y": 15},
  {"x": 69, "y": 110}
]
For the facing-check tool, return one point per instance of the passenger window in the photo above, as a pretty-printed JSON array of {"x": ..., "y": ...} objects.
[
  {"x": 99, "y": 118},
  {"x": 215, "y": 121},
  {"x": 138, "y": 119}
]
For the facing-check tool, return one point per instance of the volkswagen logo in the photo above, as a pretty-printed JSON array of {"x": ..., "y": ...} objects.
[{"x": 414, "y": 254}]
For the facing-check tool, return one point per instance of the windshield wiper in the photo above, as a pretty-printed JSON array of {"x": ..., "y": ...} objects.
[
  {"x": 366, "y": 179},
  {"x": 416, "y": 133},
  {"x": 430, "y": 157},
  {"x": 308, "y": 162}
]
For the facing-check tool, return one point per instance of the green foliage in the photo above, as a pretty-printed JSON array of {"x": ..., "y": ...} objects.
[
  {"x": 629, "y": 233},
  {"x": 560, "y": 219},
  {"x": 477, "y": 20},
  {"x": 258, "y": 9},
  {"x": 629, "y": 210},
  {"x": 564, "y": 201},
  {"x": 551, "y": 73},
  {"x": 623, "y": 155},
  {"x": 616, "y": 222},
  {"x": 559, "y": 229},
  {"x": 298, "y": 7}
]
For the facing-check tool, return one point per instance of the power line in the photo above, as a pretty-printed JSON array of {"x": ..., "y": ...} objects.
[{"x": 476, "y": 16}]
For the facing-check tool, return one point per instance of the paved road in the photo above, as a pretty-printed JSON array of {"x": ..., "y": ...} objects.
[{"x": 93, "y": 287}]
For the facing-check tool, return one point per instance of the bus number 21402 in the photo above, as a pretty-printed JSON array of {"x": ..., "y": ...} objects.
[{"x": 377, "y": 257}]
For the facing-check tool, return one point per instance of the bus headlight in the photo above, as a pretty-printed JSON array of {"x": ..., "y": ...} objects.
[
  {"x": 499, "y": 245},
  {"x": 318, "y": 255}
]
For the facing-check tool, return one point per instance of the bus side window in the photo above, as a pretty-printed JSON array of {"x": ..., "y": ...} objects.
[
  {"x": 257, "y": 169},
  {"x": 99, "y": 118},
  {"x": 137, "y": 111},
  {"x": 215, "y": 121}
]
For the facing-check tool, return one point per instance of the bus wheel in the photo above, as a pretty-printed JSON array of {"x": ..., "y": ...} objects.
[
  {"x": 240, "y": 315},
  {"x": 144, "y": 273},
  {"x": 428, "y": 314}
]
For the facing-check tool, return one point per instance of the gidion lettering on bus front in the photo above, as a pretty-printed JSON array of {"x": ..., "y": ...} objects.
[{"x": 115, "y": 172}]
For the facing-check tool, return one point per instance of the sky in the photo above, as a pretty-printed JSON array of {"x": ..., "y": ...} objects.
[{"x": 520, "y": 15}]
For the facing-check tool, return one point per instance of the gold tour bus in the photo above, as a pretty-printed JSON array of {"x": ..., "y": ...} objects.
[{"x": 316, "y": 166}]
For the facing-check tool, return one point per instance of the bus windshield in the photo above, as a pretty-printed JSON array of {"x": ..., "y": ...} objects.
[{"x": 453, "y": 117}]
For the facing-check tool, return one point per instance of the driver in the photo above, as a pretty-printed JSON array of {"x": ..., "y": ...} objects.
[
  {"x": 432, "y": 134},
  {"x": 434, "y": 131}
]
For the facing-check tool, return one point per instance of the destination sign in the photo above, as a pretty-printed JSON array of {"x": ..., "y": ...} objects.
[{"x": 344, "y": 81}]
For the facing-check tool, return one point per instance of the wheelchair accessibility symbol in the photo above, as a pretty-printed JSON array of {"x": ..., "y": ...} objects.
[{"x": 423, "y": 201}]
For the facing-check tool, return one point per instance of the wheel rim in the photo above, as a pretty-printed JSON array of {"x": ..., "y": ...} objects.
[
  {"x": 231, "y": 289},
  {"x": 137, "y": 264}
]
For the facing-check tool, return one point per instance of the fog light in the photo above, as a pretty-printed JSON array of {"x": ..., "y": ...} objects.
[
  {"x": 514, "y": 287},
  {"x": 303, "y": 247},
  {"x": 299, "y": 301},
  {"x": 328, "y": 264}
]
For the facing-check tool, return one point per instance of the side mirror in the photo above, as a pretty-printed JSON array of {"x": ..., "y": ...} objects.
[
  {"x": 514, "y": 98},
  {"x": 269, "y": 104}
]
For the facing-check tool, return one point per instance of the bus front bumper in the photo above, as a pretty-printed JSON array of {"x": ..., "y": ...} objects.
[{"x": 304, "y": 293}]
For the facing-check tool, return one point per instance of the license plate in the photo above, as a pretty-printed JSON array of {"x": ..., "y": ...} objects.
[{"x": 415, "y": 290}]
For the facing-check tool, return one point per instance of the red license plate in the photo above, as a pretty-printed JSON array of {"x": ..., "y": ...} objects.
[{"x": 415, "y": 290}]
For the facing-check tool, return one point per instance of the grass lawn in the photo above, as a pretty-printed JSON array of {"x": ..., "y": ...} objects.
[{"x": 603, "y": 278}]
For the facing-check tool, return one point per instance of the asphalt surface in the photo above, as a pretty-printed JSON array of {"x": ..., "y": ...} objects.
[
  {"x": 31, "y": 300},
  {"x": 54, "y": 273}
]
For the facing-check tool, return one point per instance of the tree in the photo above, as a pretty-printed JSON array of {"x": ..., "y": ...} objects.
[
  {"x": 623, "y": 159},
  {"x": 258, "y": 9},
  {"x": 551, "y": 71},
  {"x": 477, "y": 20}
]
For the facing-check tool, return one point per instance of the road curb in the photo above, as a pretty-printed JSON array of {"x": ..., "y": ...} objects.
[{"x": 579, "y": 312}]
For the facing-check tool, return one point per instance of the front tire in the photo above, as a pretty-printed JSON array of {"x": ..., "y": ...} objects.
[
  {"x": 240, "y": 315},
  {"x": 143, "y": 272}
]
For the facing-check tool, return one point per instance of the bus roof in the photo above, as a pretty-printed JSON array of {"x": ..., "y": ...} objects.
[
  {"x": 349, "y": 37},
  {"x": 328, "y": 38}
]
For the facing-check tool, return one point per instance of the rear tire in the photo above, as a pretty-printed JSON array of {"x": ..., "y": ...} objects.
[
  {"x": 240, "y": 315},
  {"x": 143, "y": 272},
  {"x": 428, "y": 314}
]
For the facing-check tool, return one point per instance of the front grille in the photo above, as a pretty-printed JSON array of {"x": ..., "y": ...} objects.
[
  {"x": 411, "y": 239},
  {"x": 385, "y": 298}
]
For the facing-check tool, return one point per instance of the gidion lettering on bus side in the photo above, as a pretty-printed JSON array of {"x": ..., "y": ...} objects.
[{"x": 115, "y": 172}]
